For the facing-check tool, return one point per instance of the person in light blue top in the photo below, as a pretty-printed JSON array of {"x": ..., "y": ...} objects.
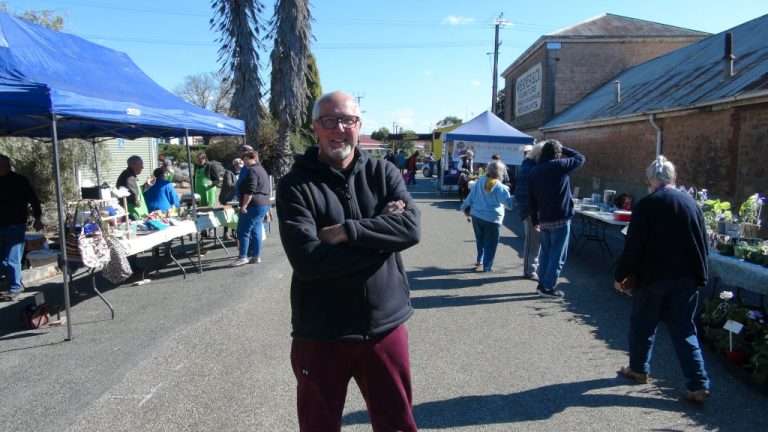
[
  {"x": 162, "y": 195},
  {"x": 485, "y": 204}
]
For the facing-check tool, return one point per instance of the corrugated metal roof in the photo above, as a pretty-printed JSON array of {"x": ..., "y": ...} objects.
[
  {"x": 688, "y": 76},
  {"x": 611, "y": 25}
]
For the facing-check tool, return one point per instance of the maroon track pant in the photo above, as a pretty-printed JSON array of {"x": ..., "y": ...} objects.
[{"x": 380, "y": 367}]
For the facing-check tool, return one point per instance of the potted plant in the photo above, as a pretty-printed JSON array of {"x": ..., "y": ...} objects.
[
  {"x": 724, "y": 245},
  {"x": 716, "y": 214},
  {"x": 749, "y": 212}
]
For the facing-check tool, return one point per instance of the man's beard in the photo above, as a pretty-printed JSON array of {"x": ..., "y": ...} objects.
[{"x": 342, "y": 153}]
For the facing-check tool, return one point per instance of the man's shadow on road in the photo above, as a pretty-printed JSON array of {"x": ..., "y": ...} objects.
[{"x": 531, "y": 405}]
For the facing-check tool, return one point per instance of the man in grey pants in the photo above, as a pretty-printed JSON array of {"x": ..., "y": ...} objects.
[{"x": 531, "y": 242}]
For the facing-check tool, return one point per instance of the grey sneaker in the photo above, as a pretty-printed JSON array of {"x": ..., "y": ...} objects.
[
  {"x": 551, "y": 293},
  {"x": 255, "y": 260},
  {"x": 240, "y": 262}
]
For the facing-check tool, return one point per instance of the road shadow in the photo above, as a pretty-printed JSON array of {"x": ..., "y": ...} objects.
[
  {"x": 437, "y": 278},
  {"x": 531, "y": 405},
  {"x": 448, "y": 300}
]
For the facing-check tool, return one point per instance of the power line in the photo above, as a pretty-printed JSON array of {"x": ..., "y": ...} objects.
[
  {"x": 346, "y": 21},
  {"x": 329, "y": 46}
]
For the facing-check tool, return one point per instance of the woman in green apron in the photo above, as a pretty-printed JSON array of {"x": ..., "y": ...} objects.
[{"x": 206, "y": 181}]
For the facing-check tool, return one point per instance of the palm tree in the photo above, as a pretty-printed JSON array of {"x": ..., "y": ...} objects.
[
  {"x": 292, "y": 30},
  {"x": 239, "y": 24}
]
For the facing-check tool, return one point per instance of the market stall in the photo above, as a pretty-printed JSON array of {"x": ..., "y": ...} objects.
[
  {"x": 483, "y": 136},
  {"x": 55, "y": 85}
]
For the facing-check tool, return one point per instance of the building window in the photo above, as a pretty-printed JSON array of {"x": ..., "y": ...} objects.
[{"x": 120, "y": 143}]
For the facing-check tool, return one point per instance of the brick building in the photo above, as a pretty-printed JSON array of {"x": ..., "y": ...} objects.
[
  {"x": 711, "y": 122},
  {"x": 561, "y": 68}
]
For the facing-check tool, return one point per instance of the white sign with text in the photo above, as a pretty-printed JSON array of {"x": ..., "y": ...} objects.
[{"x": 528, "y": 91}]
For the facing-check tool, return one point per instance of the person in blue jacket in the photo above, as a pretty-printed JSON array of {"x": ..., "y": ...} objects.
[
  {"x": 485, "y": 205},
  {"x": 162, "y": 195}
]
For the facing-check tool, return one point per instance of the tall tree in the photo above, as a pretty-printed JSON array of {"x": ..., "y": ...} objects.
[
  {"x": 240, "y": 27},
  {"x": 292, "y": 29}
]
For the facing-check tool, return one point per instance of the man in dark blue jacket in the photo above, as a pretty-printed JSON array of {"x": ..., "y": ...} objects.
[
  {"x": 665, "y": 257},
  {"x": 551, "y": 207},
  {"x": 531, "y": 236},
  {"x": 344, "y": 219}
]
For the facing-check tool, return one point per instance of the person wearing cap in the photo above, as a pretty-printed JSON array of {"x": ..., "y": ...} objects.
[
  {"x": 245, "y": 148},
  {"x": 530, "y": 235}
]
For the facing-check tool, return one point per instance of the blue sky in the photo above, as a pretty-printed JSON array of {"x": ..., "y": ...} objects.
[{"x": 412, "y": 62}]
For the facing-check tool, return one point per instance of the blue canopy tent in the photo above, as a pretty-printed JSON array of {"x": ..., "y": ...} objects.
[
  {"x": 55, "y": 85},
  {"x": 484, "y": 135}
]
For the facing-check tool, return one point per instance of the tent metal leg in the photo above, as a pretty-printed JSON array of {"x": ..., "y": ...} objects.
[
  {"x": 194, "y": 201},
  {"x": 62, "y": 231},
  {"x": 98, "y": 293},
  {"x": 96, "y": 162}
]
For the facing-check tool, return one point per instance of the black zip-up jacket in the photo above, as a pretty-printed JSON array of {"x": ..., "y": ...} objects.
[
  {"x": 15, "y": 200},
  {"x": 358, "y": 289},
  {"x": 667, "y": 240}
]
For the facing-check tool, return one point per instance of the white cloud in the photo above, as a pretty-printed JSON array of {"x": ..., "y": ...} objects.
[
  {"x": 456, "y": 20},
  {"x": 428, "y": 73},
  {"x": 475, "y": 83}
]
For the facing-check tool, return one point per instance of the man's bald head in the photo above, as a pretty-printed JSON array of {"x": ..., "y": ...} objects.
[{"x": 336, "y": 99}]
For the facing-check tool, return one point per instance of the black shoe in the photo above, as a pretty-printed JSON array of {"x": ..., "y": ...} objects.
[{"x": 550, "y": 293}]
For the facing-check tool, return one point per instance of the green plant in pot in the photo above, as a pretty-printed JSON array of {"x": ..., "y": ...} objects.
[
  {"x": 741, "y": 249},
  {"x": 716, "y": 214},
  {"x": 749, "y": 212}
]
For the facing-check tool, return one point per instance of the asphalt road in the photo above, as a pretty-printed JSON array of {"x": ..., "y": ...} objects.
[{"x": 210, "y": 353}]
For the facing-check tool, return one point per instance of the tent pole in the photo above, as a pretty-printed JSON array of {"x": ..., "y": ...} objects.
[
  {"x": 62, "y": 232},
  {"x": 194, "y": 201},
  {"x": 96, "y": 162}
]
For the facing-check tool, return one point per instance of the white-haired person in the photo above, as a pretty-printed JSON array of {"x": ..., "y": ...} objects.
[
  {"x": 485, "y": 205},
  {"x": 531, "y": 236},
  {"x": 663, "y": 265}
]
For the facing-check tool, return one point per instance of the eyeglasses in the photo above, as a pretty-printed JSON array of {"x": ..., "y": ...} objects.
[{"x": 347, "y": 122}]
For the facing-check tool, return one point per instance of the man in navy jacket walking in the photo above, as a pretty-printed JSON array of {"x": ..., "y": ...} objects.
[
  {"x": 344, "y": 219},
  {"x": 551, "y": 209}
]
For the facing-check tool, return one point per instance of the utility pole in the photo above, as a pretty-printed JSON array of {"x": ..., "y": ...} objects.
[
  {"x": 499, "y": 22},
  {"x": 358, "y": 98}
]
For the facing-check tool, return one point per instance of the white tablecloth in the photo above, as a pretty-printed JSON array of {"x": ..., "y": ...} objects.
[
  {"x": 146, "y": 242},
  {"x": 739, "y": 273},
  {"x": 605, "y": 217}
]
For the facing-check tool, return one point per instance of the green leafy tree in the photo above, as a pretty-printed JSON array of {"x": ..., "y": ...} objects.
[
  {"x": 239, "y": 25},
  {"x": 292, "y": 30},
  {"x": 381, "y": 134},
  {"x": 449, "y": 121}
]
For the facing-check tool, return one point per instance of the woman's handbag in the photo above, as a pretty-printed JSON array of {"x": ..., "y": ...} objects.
[{"x": 118, "y": 268}]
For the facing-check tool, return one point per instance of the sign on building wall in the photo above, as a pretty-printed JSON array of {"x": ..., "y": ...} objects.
[{"x": 528, "y": 91}]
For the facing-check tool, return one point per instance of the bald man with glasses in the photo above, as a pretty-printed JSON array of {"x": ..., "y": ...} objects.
[{"x": 344, "y": 219}]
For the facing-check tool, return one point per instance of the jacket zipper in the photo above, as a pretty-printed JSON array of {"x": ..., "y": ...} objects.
[{"x": 354, "y": 211}]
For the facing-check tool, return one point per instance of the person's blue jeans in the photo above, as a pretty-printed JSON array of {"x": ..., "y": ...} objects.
[
  {"x": 674, "y": 302},
  {"x": 487, "y": 239},
  {"x": 11, "y": 252},
  {"x": 249, "y": 230},
  {"x": 553, "y": 253}
]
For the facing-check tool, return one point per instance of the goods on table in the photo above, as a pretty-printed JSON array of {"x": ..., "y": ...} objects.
[{"x": 622, "y": 215}]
